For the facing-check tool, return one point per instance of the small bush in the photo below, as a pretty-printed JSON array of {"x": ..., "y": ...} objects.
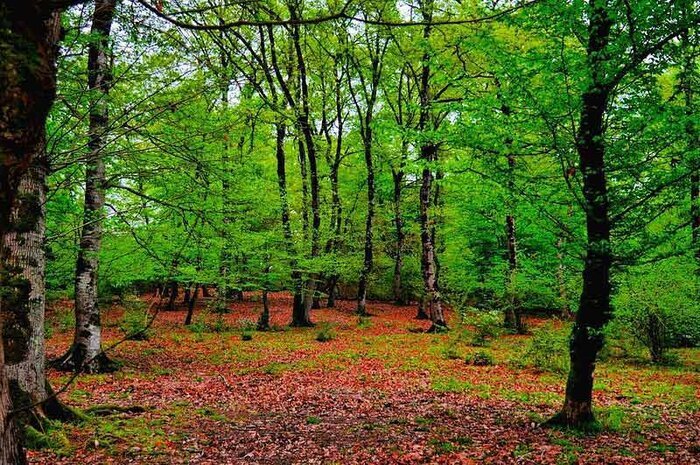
[
  {"x": 480, "y": 358},
  {"x": 248, "y": 328},
  {"x": 487, "y": 326},
  {"x": 548, "y": 349},
  {"x": 325, "y": 333}
]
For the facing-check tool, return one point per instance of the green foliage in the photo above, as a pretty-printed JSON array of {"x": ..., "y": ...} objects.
[
  {"x": 547, "y": 350},
  {"x": 487, "y": 326},
  {"x": 325, "y": 333},
  {"x": 480, "y": 358},
  {"x": 656, "y": 306}
]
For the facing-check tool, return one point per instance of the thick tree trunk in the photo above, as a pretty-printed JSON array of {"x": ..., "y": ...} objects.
[
  {"x": 23, "y": 330},
  {"x": 172, "y": 295},
  {"x": 190, "y": 305},
  {"x": 86, "y": 353},
  {"x": 264, "y": 320},
  {"x": 28, "y": 45},
  {"x": 594, "y": 309}
]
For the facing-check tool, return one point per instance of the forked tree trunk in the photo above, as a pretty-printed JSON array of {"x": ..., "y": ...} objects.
[
  {"x": 86, "y": 352},
  {"x": 594, "y": 309},
  {"x": 28, "y": 45},
  {"x": 24, "y": 305}
]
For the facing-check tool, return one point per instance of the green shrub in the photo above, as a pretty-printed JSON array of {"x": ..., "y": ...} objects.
[
  {"x": 658, "y": 309},
  {"x": 325, "y": 333},
  {"x": 248, "y": 328},
  {"x": 548, "y": 349},
  {"x": 487, "y": 326},
  {"x": 480, "y": 358}
]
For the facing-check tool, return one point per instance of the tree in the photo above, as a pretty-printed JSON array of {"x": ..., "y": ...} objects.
[{"x": 86, "y": 351}]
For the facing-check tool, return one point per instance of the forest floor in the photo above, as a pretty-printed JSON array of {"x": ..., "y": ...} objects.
[{"x": 380, "y": 392}]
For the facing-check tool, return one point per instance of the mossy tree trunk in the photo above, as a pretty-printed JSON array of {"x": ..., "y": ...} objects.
[
  {"x": 29, "y": 33},
  {"x": 86, "y": 352},
  {"x": 24, "y": 304}
]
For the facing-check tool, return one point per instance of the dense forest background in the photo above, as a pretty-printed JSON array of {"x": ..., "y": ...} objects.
[{"x": 476, "y": 160}]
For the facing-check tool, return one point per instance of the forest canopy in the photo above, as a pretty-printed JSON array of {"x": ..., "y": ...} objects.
[{"x": 482, "y": 165}]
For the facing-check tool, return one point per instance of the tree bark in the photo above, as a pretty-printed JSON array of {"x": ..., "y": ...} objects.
[
  {"x": 428, "y": 154},
  {"x": 304, "y": 126},
  {"x": 29, "y": 33},
  {"x": 367, "y": 263},
  {"x": 397, "y": 287},
  {"x": 86, "y": 352},
  {"x": 190, "y": 305},
  {"x": 594, "y": 309},
  {"x": 23, "y": 331}
]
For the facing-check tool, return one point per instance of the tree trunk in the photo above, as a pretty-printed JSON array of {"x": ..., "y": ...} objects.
[
  {"x": 689, "y": 80},
  {"x": 190, "y": 305},
  {"x": 172, "y": 295},
  {"x": 86, "y": 351},
  {"x": 428, "y": 154},
  {"x": 594, "y": 309},
  {"x": 264, "y": 320},
  {"x": 24, "y": 306},
  {"x": 306, "y": 131},
  {"x": 400, "y": 237},
  {"x": 187, "y": 295},
  {"x": 430, "y": 284},
  {"x": 367, "y": 264},
  {"x": 30, "y": 32}
]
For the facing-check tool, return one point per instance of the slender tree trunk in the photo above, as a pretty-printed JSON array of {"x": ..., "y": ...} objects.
[
  {"x": 594, "y": 309},
  {"x": 306, "y": 131},
  {"x": 513, "y": 317},
  {"x": 264, "y": 320},
  {"x": 430, "y": 282},
  {"x": 367, "y": 264},
  {"x": 428, "y": 153},
  {"x": 86, "y": 351},
  {"x": 299, "y": 316},
  {"x": 28, "y": 44},
  {"x": 397, "y": 288}
]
